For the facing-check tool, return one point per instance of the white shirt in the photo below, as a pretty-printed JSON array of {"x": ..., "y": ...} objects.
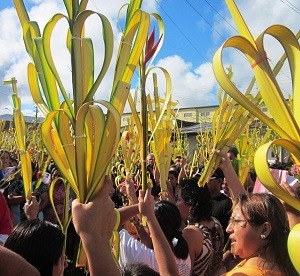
[{"x": 133, "y": 251}]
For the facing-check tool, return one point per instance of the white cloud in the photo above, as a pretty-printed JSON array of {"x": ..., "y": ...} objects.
[
  {"x": 193, "y": 83},
  {"x": 14, "y": 60},
  {"x": 190, "y": 86}
]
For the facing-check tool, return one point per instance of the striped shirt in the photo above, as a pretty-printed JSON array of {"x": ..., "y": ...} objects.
[{"x": 211, "y": 256}]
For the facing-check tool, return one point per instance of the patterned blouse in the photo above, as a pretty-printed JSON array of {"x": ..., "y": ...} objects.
[{"x": 211, "y": 257}]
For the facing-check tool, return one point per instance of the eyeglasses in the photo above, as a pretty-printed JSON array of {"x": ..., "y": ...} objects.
[{"x": 237, "y": 222}]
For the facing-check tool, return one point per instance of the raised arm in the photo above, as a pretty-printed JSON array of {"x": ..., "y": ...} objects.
[
  {"x": 94, "y": 223},
  {"x": 231, "y": 177},
  {"x": 164, "y": 255},
  {"x": 292, "y": 213},
  {"x": 31, "y": 208}
]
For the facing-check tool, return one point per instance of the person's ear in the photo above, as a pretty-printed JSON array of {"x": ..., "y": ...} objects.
[{"x": 265, "y": 230}]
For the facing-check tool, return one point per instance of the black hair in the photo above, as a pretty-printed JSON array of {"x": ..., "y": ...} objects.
[
  {"x": 39, "y": 242},
  {"x": 138, "y": 269},
  {"x": 234, "y": 151},
  {"x": 175, "y": 173},
  {"x": 198, "y": 198},
  {"x": 169, "y": 219}
]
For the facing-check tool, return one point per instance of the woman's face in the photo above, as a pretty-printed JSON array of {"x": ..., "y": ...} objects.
[
  {"x": 245, "y": 238},
  {"x": 225, "y": 186},
  {"x": 5, "y": 160},
  {"x": 184, "y": 209},
  {"x": 172, "y": 179}
]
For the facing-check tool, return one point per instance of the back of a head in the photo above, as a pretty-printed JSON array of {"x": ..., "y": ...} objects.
[
  {"x": 169, "y": 219},
  {"x": 175, "y": 173},
  {"x": 265, "y": 207},
  {"x": 138, "y": 269},
  {"x": 234, "y": 151},
  {"x": 39, "y": 242},
  {"x": 198, "y": 198}
]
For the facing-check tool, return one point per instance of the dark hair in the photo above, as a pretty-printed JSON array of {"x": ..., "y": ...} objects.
[
  {"x": 198, "y": 198},
  {"x": 234, "y": 151},
  {"x": 39, "y": 242},
  {"x": 261, "y": 208},
  {"x": 138, "y": 269},
  {"x": 169, "y": 219},
  {"x": 175, "y": 173}
]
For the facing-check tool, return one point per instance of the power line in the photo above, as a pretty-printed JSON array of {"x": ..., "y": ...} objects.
[
  {"x": 182, "y": 33},
  {"x": 221, "y": 16},
  {"x": 204, "y": 19},
  {"x": 291, "y": 6}
]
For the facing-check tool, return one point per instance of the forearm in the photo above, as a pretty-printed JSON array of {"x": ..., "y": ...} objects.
[
  {"x": 233, "y": 181},
  {"x": 293, "y": 218},
  {"x": 14, "y": 199},
  {"x": 128, "y": 212},
  {"x": 43, "y": 204},
  {"x": 163, "y": 252},
  {"x": 144, "y": 236},
  {"x": 99, "y": 255},
  {"x": 13, "y": 264},
  {"x": 182, "y": 175}
]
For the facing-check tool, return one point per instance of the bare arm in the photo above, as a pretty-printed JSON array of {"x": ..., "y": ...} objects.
[
  {"x": 13, "y": 264},
  {"x": 164, "y": 255},
  {"x": 45, "y": 201},
  {"x": 31, "y": 208},
  {"x": 182, "y": 173},
  {"x": 94, "y": 223},
  {"x": 13, "y": 198},
  {"x": 292, "y": 213},
  {"x": 128, "y": 212},
  {"x": 232, "y": 179}
]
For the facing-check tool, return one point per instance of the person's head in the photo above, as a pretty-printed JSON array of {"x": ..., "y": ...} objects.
[
  {"x": 169, "y": 219},
  {"x": 225, "y": 187},
  {"x": 233, "y": 153},
  {"x": 177, "y": 159},
  {"x": 215, "y": 182},
  {"x": 14, "y": 162},
  {"x": 138, "y": 269},
  {"x": 41, "y": 244},
  {"x": 259, "y": 226},
  {"x": 173, "y": 177},
  {"x": 150, "y": 160},
  {"x": 5, "y": 158},
  {"x": 194, "y": 202}
]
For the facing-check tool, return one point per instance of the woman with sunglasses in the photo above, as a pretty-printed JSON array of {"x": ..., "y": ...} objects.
[{"x": 203, "y": 233}]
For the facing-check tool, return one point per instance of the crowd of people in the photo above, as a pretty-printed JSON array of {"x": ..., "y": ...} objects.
[{"x": 219, "y": 228}]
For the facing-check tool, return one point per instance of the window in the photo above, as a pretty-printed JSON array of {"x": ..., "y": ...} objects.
[
  {"x": 204, "y": 114},
  {"x": 186, "y": 115}
]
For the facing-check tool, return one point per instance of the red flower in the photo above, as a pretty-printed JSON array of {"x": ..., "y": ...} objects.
[{"x": 151, "y": 47}]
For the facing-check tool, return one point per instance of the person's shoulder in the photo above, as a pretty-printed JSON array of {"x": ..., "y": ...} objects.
[
  {"x": 253, "y": 271},
  {"x": 192, "y": 233}
]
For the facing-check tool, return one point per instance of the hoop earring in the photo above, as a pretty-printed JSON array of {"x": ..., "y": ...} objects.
[{"x": 262, "y": 236}]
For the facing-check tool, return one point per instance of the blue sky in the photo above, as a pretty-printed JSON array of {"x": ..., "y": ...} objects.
[{"x": 195, "y": 29}]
